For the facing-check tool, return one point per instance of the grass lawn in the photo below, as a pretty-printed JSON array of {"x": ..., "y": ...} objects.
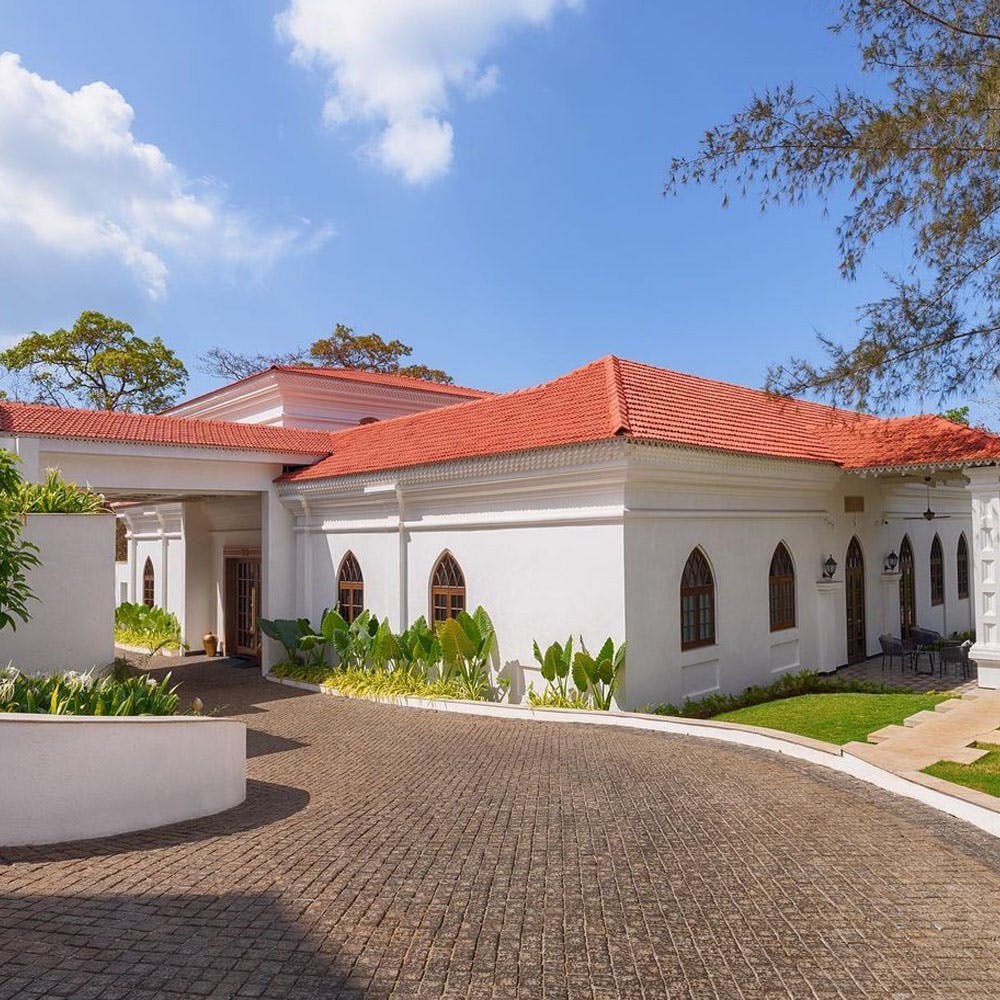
[
  {"x": 984, "y": 775},
  {"x": 835, "y": 718}
]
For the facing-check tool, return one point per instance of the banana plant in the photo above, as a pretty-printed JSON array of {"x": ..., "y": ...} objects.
[
  {"x": 557, "y": 665},
  {"x": 599, "y": 676},
  {"x": 468, "y": 645}
]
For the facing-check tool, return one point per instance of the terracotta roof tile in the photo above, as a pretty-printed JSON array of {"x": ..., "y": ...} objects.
[
  {"x": 613, "y": 396},
  {"x": 34, "y": 419}
]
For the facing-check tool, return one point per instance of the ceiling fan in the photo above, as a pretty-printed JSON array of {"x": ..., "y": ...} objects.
[{"x": 928, "y": 515}]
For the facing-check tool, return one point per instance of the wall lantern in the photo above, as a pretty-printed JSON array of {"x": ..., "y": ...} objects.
[
  {"x": 891, "y": 562},
  {"x": 829, "y": 568}
]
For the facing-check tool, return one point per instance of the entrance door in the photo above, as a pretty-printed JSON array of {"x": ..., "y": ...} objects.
[
  {"x": 907, "y": 589},
  {"x": 854, "y": 576},
  {"x": 243, "y": 607}
]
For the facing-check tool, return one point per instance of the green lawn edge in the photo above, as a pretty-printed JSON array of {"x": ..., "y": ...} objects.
[
  {"x": 983, "y": 775},
  {"x": 834, "y": 718}
]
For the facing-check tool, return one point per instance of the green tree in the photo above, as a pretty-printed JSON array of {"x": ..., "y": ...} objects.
[
  {"x": 99, "y": 363},
  {"x": 16, "y": 555},
  {"x": 342, "y": 349},
  {"x": 918, "y": 150},
  {"x": 957, "y": 415}
]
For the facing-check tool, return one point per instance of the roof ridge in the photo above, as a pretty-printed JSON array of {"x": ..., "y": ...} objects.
[{"x": 617, "y": 401}]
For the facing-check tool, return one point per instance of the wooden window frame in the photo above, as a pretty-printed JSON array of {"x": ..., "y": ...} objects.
[
  {"x": 782, "y": 611},
  {"x": 350, "y": 588},
  {"x": 694, "y": 592},
  {"x": 148, "y": 583},
  {"x": 448, "y": 585},
  {"x": 962, "y": 566},
  {"x": 936, "y": 566}
]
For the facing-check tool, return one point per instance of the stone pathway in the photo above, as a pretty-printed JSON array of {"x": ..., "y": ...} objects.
[
  {"x": 943, "y": 734},
  {"x": 386, "y": 852}
]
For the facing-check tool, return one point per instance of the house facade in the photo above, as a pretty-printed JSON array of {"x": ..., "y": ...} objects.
[{"x": 728, "y": 535}]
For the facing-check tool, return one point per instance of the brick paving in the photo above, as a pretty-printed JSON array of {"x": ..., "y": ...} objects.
[
  {"x": 895, "y": 676},
  {"x": 390, "y": 852}
]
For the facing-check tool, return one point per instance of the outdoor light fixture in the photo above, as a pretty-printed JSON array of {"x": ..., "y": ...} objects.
[
  {"x": 829, "y": 568},
  {"x": 891, "y": 562}
]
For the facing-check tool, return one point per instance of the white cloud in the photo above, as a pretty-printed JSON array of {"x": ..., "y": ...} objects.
[
  {"x": 397, "y": 62},
  {"x": 75, "y": 180}
]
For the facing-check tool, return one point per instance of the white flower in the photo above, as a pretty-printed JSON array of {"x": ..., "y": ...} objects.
[{"x": 151, "y": 681}]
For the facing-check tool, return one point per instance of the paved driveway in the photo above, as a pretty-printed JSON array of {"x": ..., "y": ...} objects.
[{"x": 387, "y": 852}]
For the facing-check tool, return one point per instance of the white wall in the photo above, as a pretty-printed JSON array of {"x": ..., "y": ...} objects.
[
  {"x": 72, "y": 622},
  {"x": 737, "y": 510},
  {"x": 76, "y": 777}
]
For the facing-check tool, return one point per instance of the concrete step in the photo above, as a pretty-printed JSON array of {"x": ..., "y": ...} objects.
[
  {"x": 914, "y": 720},
  {"x": 965, "y": 755},
  {"x": 948, "y": 706},
  {"x": 886, "y": 733}
]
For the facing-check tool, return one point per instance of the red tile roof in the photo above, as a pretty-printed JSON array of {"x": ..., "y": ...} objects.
[
  {"x": 613, "y": 397},
  {"x": 34, "y": 419},
  {"x": 387, "y": 379},
  {"x": 457, "y": 392},
  {"x": 605, "y": 399}
]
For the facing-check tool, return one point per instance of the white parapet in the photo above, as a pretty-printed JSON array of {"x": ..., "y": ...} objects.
[{"x": 77, "y": 777}]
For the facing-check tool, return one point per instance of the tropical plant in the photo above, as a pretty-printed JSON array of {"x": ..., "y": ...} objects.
[
  {"x": 287, "y": 631},
  {"x": 74, "y": 693},
  {"x": 468, "y": 645},
  {"x": 551, "y": 698},
  {"x": 420, "y": 648},
  {"x": 56, "y": 496},
  {"x": 557, "y": 666},
  {"x": 16, "y": 555},
  {"x": 150, "y": 628},
  {"x": 600, "y": 676}
]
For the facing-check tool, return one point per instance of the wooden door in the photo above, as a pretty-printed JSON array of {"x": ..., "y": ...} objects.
[
  {"x": 854, "y": 577},
  {"x": 907, "y": 589},
  {"x": 243, "y": 607}
]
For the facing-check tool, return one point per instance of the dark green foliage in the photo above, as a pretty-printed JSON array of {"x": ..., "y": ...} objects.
[
  {"x": 16, "y": 555},
  {"x": 598, "y": 677},
  {"x": 99, "y": 363},
  {"x": 917, "y": 149},
  {"x": 788, "y": 686}
]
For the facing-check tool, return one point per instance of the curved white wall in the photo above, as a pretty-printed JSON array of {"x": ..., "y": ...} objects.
[{"x": 76, "y": 777}]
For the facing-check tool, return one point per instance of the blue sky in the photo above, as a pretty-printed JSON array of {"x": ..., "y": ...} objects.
[{"x": 504, "y": 217}]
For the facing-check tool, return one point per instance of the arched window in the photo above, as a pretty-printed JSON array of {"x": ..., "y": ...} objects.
[
  {"x": 350, "y": 588},
  {"x": 962, "y": 558},
  {"x": 907, "y": 589},
  {"x": 697, "y": 602},
  {"x": 937, "y": 572},
  {"x": 447, "y": 589},
  {"x": 148, "y": 584},
  {"x": 781, "y": 589}
]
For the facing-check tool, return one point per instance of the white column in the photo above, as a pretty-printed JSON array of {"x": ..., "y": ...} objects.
[
  {"x": 985, "y": 488},
  {"x": 829, "y": 625},
  {"x": 277, "y": 538},
  {"x": 889, "y": 585}
]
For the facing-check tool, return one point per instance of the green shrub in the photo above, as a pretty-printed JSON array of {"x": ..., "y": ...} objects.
[
  {"x": 148, "y": 628},
  {"x": 551, "y": 697},
  {"x": 788, "y": 686},
  {"x": 370, "y": 683},
  {"x": 16, "y": 555},
  {"x": 72, "y": 693},
  {"x": 56, "y": 496}
]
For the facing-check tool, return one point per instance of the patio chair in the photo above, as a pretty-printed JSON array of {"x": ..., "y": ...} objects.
[
  {"x": 959, "y": 655},
  {"x": 924, "y": 640},
  {"x": 893, "y": 646}
]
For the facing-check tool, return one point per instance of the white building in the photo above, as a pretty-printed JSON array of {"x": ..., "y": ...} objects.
[{"x": 693, "y": 518}]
